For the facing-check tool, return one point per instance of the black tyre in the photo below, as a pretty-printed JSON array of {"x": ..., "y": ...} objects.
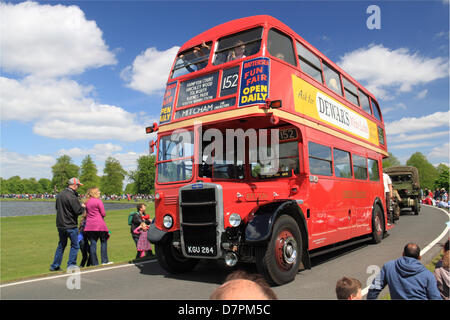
[
  {"x": 172, "y": 260},
  {"x": 416, "y": 208},
  {"x": 279, "y": 260},
  {"x": 377, "y": 224}
]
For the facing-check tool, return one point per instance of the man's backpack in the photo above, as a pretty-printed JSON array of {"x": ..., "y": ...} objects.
[{"x": 130, "y": 218}]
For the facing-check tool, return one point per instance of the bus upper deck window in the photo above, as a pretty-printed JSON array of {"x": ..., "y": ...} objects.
[
  {"x": 281, "y": 46},
  {"x": 309, "y": 63},
  {"x": 376, "y": 109},
  {"x": 332, "y": 79},
  {"x": 365, "y": 104},
  {"x": 238, "y": 45},
  {"x": 192, "y": 60},
  {"x": 351, "y": 92}
]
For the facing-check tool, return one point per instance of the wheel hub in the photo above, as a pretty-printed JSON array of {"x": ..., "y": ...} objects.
[{"x": 286, "y": 250}]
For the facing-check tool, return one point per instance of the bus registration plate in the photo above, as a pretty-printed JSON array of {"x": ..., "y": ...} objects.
[{"x": 202, "y": 250}]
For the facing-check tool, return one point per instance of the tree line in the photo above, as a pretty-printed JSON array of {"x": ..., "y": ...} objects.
[
  {"x": 111, "y": 182},
  {"x": 143, "y": 178}
]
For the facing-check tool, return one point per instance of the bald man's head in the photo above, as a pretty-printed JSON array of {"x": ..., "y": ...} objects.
[
  {"x": 411, "y": 250},
  {"x": 243, "y": 286}
]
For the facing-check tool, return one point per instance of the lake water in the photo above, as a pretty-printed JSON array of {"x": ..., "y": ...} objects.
[{"x": 22, "y": 208}]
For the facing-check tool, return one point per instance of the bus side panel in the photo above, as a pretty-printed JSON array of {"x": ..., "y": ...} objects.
[{"x": 280, "y": 75}]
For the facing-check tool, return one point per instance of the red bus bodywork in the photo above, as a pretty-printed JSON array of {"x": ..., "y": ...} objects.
[{"x": 328, "y": 209}]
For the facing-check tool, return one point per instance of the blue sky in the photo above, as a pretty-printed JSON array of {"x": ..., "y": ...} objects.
[{"x": 86, "y": 77}]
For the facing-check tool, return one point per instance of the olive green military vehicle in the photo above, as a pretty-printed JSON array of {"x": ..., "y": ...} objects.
[{"x": 405, "y": 180}]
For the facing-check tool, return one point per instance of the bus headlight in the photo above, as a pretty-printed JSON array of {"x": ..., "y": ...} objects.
[
  {"x": 234, "y": 220},
  {"x": 168, "y": 221}
]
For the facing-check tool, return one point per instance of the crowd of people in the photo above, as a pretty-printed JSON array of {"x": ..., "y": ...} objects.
[
  {"x": 438, "y": 198},
  {"x": 120, "y": 197}
]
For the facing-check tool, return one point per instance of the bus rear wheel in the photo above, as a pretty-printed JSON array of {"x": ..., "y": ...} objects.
[
  {"x": 172, "y": 260},
  {"x": 279, "y": 260},
  {"x": 377, "y": 224}
]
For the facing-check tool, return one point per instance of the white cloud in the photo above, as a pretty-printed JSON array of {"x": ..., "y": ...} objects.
[
  {"x": 410, "y": 124},
  {"x": 400, "y": 105},
  {"x": 150, "y": 70},
  {"x": 441, "y": 151},
  {"x": 388, "y": 72},
  {"x": 415, "y": 137},
  {"x": 411, "y": 145},
  {"x": 103, "y": 150},
  {"x": 50, "y": 41},
  {"x": 64, "y": 109},
  {"x": 26, "y": 166},
  {"x": 422, "y": 94},
  {"x": 100, "y": 152}
]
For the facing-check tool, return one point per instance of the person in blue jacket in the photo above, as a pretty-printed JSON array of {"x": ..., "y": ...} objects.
[{"x": 407, "y": 278}]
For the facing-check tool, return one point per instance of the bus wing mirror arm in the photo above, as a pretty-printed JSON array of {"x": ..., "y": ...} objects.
[{"x": 152, "y": 145}]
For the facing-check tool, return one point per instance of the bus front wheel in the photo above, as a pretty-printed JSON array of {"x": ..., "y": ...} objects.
[
  {"x": 172, "y": 260},
  {"x": 279, "y": 260}
]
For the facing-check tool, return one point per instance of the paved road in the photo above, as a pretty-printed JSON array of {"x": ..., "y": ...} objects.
[{"x": 148, "y": 281}]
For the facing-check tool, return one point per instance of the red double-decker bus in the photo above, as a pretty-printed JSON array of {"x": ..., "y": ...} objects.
[{"x": 255, "y": 76}]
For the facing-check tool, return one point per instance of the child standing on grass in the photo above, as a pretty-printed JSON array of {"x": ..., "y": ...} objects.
[
  {"x": 143, "y": 244},
  {"x": 83, "y": 242}
]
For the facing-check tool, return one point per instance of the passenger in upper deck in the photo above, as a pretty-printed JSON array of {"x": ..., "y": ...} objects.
[
  {"x": 198, "y": 54},
  {"x": 237, "y": 52}
]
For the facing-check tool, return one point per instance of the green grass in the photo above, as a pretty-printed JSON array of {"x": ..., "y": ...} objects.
[{"x": 28, "y": 243}]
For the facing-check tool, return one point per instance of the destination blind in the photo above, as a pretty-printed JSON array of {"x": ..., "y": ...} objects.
[{"x": 198, "y": 90}]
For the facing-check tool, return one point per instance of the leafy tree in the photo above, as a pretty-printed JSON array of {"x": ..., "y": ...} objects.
[
  {"x": 391, "y": 161},
  {"x": 130, "y": 188},
  {"x": 442, "y": 180},
  {"x": 15, "y": 185},
  {"x": 88, "y": 175},
  {"x": 113, "y": 176},
  {"x": 4, "y": 188},
  {"x": 31, "y": 186},
  {"x": 427, "y": 172},
  {"x": 144, "y": 175},
  {"x": 46, "y": 185},
  {"x": 62, "y": 171}
]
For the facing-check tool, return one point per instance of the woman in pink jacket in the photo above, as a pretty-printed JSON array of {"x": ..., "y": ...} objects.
[{"x": 96, "y": 227}]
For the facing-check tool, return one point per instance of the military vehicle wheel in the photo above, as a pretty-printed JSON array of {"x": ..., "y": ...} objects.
[{"x": 416, "y": 208}]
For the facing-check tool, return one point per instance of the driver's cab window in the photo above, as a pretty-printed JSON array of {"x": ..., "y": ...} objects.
[
  {"x": 288, "y": 157},
  {"x": 216, "y": 164}
]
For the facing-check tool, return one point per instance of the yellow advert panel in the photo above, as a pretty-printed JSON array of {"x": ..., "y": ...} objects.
[{"x": 316, "y": 104}]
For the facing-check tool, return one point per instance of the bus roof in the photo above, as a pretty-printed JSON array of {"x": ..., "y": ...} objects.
[{"x": 264, "y": 20}]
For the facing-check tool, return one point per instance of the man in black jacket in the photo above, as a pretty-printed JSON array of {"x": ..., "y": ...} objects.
[{"x": 68, "y": 208}]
